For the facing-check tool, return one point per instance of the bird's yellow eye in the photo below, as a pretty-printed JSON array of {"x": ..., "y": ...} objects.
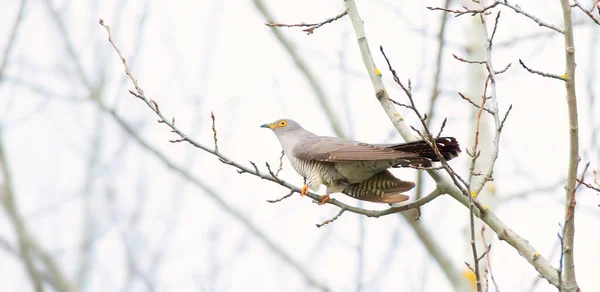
[{"x": 282, "y": 123}]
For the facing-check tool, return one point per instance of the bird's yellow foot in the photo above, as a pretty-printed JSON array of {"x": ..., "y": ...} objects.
[
  {"x": 304, "y": 191},
  {"x": 324, "y": 200}
]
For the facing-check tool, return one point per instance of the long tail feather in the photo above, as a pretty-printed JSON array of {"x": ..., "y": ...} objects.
[
  {"x": 448, "y": 146},
  {"x": 381, "y": 188}
]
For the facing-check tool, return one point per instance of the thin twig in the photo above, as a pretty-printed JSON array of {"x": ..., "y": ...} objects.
[
  {"x": 504, "y": 119},
  {"x": 282, "y": 198},
  {"x": 473, "y": 103},
  {"x": 489, "y": 260},
  {"x": 474, "y": 244},
  {"x": 442, "y": 128},
  {"x": 474, "y": 156},
  {"x": 311, "y": 26},
  {"x": 561, "y": 239},
  {"x": 549, "y": 75},
  {"x": 212, "y": 116},
  {"x": 587, "y": 12},
  {"x": 280, "y": 163},
  {"x": 518, "y": 10},
  {"x": 504, "y": 70},
  {"x": 342, "y": 210},
  {"x": 495, "y": 27},
  {"x": 465, "y": 10},
  {"x": 588, "y": 185},
  {"x": 271, "y": 171},
  {"x": 467, "y": 61}
]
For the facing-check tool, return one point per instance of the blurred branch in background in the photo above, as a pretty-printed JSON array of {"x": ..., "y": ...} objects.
[
  {"x": 11, "y": 40},
  {"x": 39, "y": 264},
  {"x": 25, "y": 248},
  {"x": 314, "y": 83},
  {"x": 30, "y": 252}
]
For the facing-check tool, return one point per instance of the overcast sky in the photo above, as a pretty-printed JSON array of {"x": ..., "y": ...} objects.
[{"x": 79, "y": 177}]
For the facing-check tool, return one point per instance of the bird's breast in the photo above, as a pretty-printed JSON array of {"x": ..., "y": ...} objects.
[{"x": 316, "y": 172}]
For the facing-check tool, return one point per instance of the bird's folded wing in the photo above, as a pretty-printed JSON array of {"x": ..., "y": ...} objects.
[{"x": 335, "y": 149}]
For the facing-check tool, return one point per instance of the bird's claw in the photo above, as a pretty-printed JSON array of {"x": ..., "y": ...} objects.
[
  {"x": 304, "y": 191},
  {"x": 324, "y": 200}
]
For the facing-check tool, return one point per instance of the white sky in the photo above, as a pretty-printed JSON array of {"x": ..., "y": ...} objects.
[{"x": 194, "y": 57}]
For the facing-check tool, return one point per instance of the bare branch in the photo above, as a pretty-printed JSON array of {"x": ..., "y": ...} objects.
[
  {"x": 484, "y": 10},
  {"x": 467, "y": 61},
  {"x": 549, "y": 75},
  {"x": 212, "y": 116},
  {"x": 568, "y": 275},
  {"x": 310, "y": 26},
  {"x": 587, "y": 12},
  {"x": 489, "y": 261},
  {"x": 518, "y": 10},
  {"x": 332, "y": 219},
  {"x": 282, "y": 198},
  {"x": 474, "y": 104},
  {"x": 465, "y": 10},
  {"x": 271, "y": 171},
  {"x": 280, "y": 163},
  {"x": 504, "y": 70},
  {"x": 442, "y": 128},
  {"x": 504, "y": 119}
]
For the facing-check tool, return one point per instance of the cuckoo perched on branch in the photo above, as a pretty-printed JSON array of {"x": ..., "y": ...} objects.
[{"x": 355, "y": 168}]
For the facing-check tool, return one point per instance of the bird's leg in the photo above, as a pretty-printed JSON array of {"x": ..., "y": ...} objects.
[
  {"x": 334, "y": 187},
  {"x": 304, "y": 189}
]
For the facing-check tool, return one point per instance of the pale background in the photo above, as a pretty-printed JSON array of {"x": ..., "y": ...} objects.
[{"x": 115, "y": 218}]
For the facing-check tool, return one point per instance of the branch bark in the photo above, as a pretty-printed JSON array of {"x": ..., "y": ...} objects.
[{"x": 569, "y": 280}]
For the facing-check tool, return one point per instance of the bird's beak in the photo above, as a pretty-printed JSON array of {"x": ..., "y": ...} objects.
[{"x": 269, "y": 125}]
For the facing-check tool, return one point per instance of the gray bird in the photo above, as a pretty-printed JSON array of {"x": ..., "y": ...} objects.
[{"x": 354, "y": 168}]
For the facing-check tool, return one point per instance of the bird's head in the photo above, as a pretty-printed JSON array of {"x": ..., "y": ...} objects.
[{"x": 282, "y": 126}]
